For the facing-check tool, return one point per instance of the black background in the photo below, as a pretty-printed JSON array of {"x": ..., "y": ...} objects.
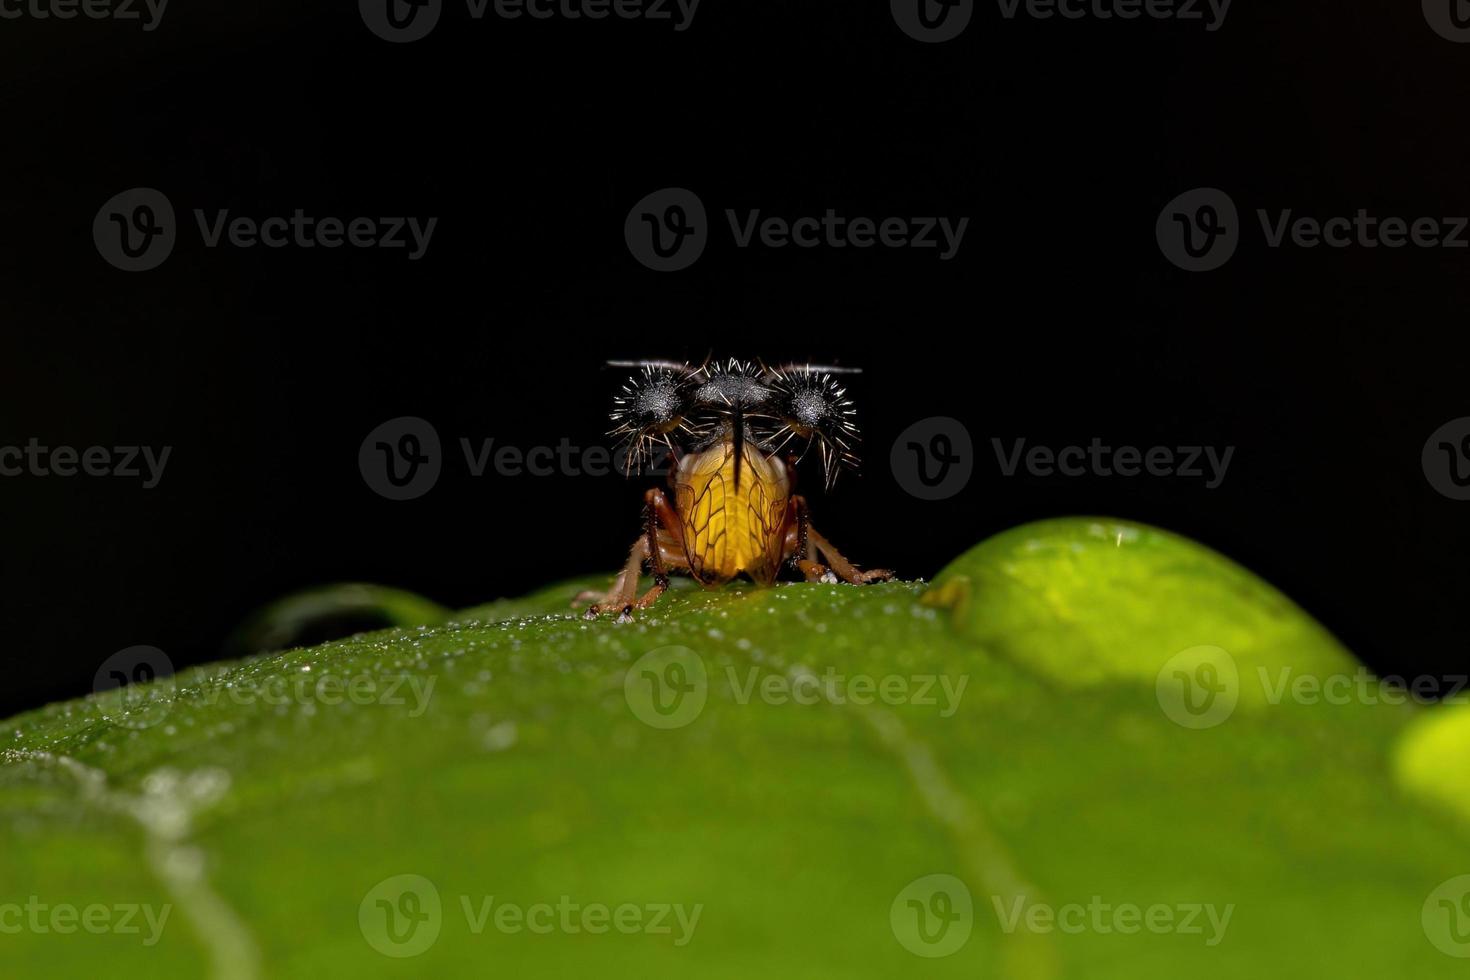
[{"x": 1058, "y": 321}]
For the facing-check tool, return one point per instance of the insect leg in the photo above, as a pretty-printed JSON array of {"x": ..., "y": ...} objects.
[
  {"x": 836, "y": 564},
  {"x": 798, "y": 547},
  {"x": 659, "y": 516},
  {"x": 659, "y": 546},
  {"x": 625, "y": 586}
]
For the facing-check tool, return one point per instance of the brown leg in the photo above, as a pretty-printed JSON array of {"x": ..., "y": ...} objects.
[
  {"x": 809, "y": 544},
  {"x": 796, "y": 547},
  {"x": 660, "y": 526},
  {"x": 658, "y": 546}
]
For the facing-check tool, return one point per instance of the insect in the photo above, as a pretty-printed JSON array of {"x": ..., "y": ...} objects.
[{"x": 733, "y": 434}]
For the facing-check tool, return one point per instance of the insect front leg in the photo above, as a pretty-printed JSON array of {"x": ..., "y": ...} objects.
[
  {"x": 660, "y": 546},
  {"x": 806, "y": 545}
]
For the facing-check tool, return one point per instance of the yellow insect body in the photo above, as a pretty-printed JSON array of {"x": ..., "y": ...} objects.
[{"x": 733, "y": 526}]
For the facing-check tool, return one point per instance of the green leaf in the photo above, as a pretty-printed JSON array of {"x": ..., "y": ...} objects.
[{"x": 1078, "y": 714}]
